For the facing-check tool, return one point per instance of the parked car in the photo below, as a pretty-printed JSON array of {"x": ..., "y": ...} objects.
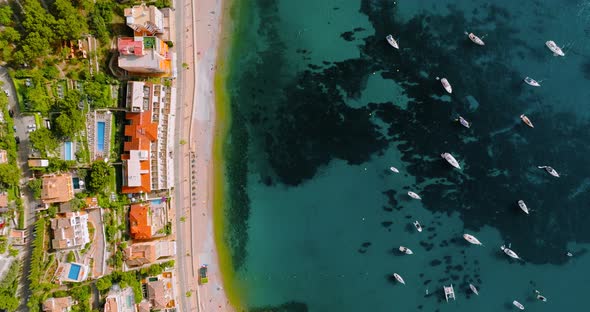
[
  {"x": 203, "y": 279},
  {"x": 17, "y": 139}
]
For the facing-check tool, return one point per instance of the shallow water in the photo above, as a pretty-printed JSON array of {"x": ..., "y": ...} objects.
[{"x": 322, "y": 106}]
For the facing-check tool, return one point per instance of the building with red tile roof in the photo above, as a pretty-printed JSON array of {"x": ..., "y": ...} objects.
[
  {"x": 144, "y": 55},
  {"x": 140, "y": 221}
]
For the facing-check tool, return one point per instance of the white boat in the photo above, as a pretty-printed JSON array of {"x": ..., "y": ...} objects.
[
  {"x": 540, "y": 297},
  {"x": 394, "y": 169},
  {"x": 446, "y": 85},
  {"x": 523, "y": 206},
  {"x": 414, "y": 195},
  {"x": 474, "y": 289},
  {"x": 399, "y": 278},
  {"x": 526, "y": 120},
  {"x": 451, "y": 160},
  {"x": 418, "y": 226},
  {"x": 509, "y": 252},
  {"x": 464, "y": 122},
  {"x": 550, "y": 170},
  {"x": 406, "y": 250},
  {"x": 532, "y": 82},
  {"x": 518, "y": 304},
  {"x": 449, "y": 292},
  {"x": 554, "y": 48},
  {"x": 470, "y": 238},
  {"x": 476, "y": 39},
  {"x": 392, "y": 41}
]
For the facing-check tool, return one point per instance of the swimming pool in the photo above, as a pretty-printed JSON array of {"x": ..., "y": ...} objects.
[
  {"x": 68, "y": 151},
  {"x": 100, "y": 136},
  {"x": 156, "y": 201},
  {"x": 74, "y": 271}
]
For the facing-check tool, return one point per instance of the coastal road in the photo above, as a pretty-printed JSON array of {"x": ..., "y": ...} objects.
[{"x": 185, "y": 93}]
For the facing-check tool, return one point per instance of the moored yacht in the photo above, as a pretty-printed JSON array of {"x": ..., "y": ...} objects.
[
  {"x": 449, "y": 292},
  {"x": 532, "y": 82},
  {"x": 394, "y": 169},
  {"x": 554, "y": 48},
  {"x": 510, "y": 252},
  {"x": 523, "y": 206},
  {"x": 470, "y": 238},
  {"x": 518, "y": 304},
  {"x": 464, "y": 122},
  {"x": 475, "y": 39},
  {"x": 406, "y": 250},
  {"x": 526, "y": 120},
  {"x": 417, "y": 226},
  {"x": 399, "y": 278},
  {"x": 392, "y": 41},
  {"x": 550, "y": 170},
  {"x": 446, "y": 85},
  {"x": 451, "y": 160},
  {"x": 414, "y": 195},
  {"x": 473, "y": 289}
]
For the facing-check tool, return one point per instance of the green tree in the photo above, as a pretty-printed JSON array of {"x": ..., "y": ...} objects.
[
  {"x": 104, "y": 283},
  {"x": 100, "y": 176},
  {"x": 43, "y": 140},
  {"x": 69, "y": 24},
  {"x": 6, "y": 15},
  {"x": 9, "y": 175},
  {"x": 35, "y": 187}
]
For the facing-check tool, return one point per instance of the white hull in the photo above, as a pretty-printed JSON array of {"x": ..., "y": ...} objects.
[
  {"x": 476, "y": 39},
  {"x": 523, "y": 206},
  {"x": 550, "y": 170},
  {"x": 392, "y": 41},
  {"x": 518, "y": 305},
  {"x": 414, "y": 195},
  {"x": 394, "y": 169},
  {"x": 554, "y": 48},
  {"x": 509, "y": 252},
  {"x": 418, "y": 226},
  {"x": 526, "y": 120},
  {"x": 446, "y": 85},
  {"x": 474, "y": 289},
  {"x": 451, "y": 160},
  {"x": 406, "y": 250},
  {"x": 472, "y": 239},
  {"x": 449, "y": 292},
  {"x": 464, "y": 122},
  {"x": 399, "y": 278},
  {"x": 532, "y": 82}
]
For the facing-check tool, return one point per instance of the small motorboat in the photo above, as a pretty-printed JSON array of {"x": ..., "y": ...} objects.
[
  {"x": 518, "y": 304},
  {"x": 509, "y": 252},
  {"x": 464, "y": 122},
  {"x": 526, "y": 120},
  {"x": 451, "y": 160},
  {"x": 532, "y": 82},
  {"x": 550, "y": 170},
  {"x": 414, "y": 195},
  {"x": 523, "y": 206},
  {"x": 399, "y": 278},
  {"x": 540, "y": 297},
  {"x": 406, "y": 250},
  {"x": 446, "y": 85},
  {"x": 569, "y": 254},
  {"x": 394, "y": 169},
  {"x": 474, "y": 289},
  {"x": 470, "y": 238},
  {"x": 417, "y": 226},
  {"x": 392, "y": 41},
  {"x": 475, "y": 39},
  {"x": 449, "y": 292},
  {"x": 554, "y": 48}
]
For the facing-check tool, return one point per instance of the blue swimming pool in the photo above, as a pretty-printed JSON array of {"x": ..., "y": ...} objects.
[
  {"x": 100, "y": 136},
  {"x": 74, "y": 271},
  {"x": 68, "y": 151},
  {"x": 156, "y": 201}
]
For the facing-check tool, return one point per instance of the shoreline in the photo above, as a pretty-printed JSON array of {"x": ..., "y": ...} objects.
[{"x": 207, "y": 134}]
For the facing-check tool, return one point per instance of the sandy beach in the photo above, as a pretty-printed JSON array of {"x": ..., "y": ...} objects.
[{"x": 198, "y": 47}]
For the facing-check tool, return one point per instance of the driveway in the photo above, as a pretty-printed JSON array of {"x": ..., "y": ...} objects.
[{"x": 97, "y": 247}]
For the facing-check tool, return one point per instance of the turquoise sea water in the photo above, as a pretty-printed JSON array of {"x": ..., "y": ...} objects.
[{"x": 322, "y": 106}]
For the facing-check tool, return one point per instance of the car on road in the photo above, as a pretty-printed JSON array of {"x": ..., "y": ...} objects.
[
  {"x": 17, "y": 140},
  {"x": 31, "y": 130},
  {"x": 31, "y": 126},
  {"x": 203, "y": 279},
  {"x": 6, "y": 92}
]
